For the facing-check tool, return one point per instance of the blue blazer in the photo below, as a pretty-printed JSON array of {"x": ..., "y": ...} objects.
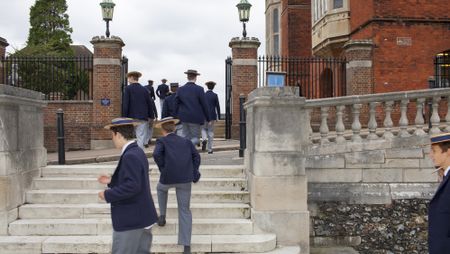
[
  {"x": 169, "y": 107},
  {"x": 190, "y": 104},
  {"x": 177, "y": 160},
  {"x": 439, "y": 219},
  {"x": 212, "y": 100},
  {"x": 132, "y": 204},
  {"x": 162, "y": 91},
  {"x": 151, "y": 90},
  {"x": 136, "y": 103}
]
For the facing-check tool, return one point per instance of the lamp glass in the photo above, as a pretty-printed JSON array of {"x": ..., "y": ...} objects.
[
  {"x": 244, "y": 10},
  {"x": 107, "y": 9}
]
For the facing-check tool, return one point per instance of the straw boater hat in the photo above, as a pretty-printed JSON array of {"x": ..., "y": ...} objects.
[
  {"x": 121, "y": 121},
  {"x": 164, "y": 80},
  {"x": 440, "y": 138},
  {"x": 166, "y": 120},
  {"x": 134, "y": 74},
  {"x": 192, "y": 72}
]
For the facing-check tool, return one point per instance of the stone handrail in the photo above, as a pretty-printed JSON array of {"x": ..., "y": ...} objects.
[{"x": 371, "y": 103}]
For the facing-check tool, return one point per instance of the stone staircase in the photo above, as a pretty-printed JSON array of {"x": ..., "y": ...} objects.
[{"x": 63, "y": 214}]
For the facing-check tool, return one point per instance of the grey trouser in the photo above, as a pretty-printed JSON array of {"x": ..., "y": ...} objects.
[
  {"x": 137, "y": 241},
  {"x": 208, "y": 133},
  {"x": 150, "y": 131},
  {"x": 161, "y": 104},
  {"x": 183, "y": 191},
  {"x": 191, "y": 131},
  {"x": 142, "y": 132}
]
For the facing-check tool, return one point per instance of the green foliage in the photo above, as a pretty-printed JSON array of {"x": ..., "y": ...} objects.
[{"x": 50, "y": 31}]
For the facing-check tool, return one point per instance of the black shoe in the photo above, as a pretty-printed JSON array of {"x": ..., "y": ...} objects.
[
  {"x": 162, "y": 220},
  {"x": 146, "y": 146},
  {"x": 210, "y": 152},
  {"x": 204, "y": 145},
  {"x": 187, "y": 250}
]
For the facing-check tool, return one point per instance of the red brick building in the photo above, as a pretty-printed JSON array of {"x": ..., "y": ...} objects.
[{"x": 389, "y": 45}]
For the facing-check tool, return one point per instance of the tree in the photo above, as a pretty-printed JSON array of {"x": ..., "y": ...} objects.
[{"x": 50, "y": 30}]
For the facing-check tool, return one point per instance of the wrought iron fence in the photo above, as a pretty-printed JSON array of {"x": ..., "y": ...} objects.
[
  {"x": 442, "y": 70},
  {"x": 316, "y": 77},
  {"x": 58, "y": 78}
]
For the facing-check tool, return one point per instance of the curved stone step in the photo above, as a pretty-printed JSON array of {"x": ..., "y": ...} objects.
[
  {"x": 161, "y": 244},
  {"x": 80, "y": 211},
  {"x": 93, "y": 170},
  {"x": 91, "y": 196},
  {"x": 92, "y": 183},
  {"x": 62, "y": 227}
]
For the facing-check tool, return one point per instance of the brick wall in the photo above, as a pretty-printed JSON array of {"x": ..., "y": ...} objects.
[
  {"x": 77, "y": 125},
  {"x": 295, "y": 19}
]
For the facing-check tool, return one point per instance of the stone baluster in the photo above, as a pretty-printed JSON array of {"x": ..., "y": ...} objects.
[
  {"x": 340, "y": 128},
  {"x": 435, "y": 120},
  {"x": 308, "y": 120},
  {"x": 324, "y": 125},
  {"x": 372, "y": 122},
  {"x": 356, "y": 125},
  {"x": 419, "y": 121},
  {"x": 403, "y": 123},
  {"x": 447, "y": 117},
  {"x": 388, "y": 120}
]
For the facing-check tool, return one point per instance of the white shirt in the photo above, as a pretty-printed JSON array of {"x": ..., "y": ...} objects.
[
  {"x": 446, "y": 171},
  {"x": 125, "y": 146}
]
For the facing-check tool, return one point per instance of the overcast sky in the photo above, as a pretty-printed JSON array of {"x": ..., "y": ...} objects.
[{"x": 163, "y": 38}]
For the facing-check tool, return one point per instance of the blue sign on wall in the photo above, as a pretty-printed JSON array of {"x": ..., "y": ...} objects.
[
  {"x": 276, "y": 79},
  {"x": 105, "y": 102}
]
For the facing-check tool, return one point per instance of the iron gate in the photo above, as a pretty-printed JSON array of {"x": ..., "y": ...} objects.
[{"x": 123, "y": 78}]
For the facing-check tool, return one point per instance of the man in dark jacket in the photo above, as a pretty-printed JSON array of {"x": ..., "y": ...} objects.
[
  {"x": 162, "y": 92},
  {"x": 137, "y": 105},
  {"x": 150, "y": 89},
  {"x": 169, "y": 106},
  {"x": 179, "y": 162},
  {"x": 133, "y": 212},
  {"x": 191, "y": 108},
  {"x": 439, "y": 209},
  {"x": 212, "y": 100}
]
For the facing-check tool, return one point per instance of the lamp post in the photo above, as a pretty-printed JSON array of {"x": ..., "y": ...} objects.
[
  {"x": 244, "y": 13},
  {"x": 107, "y": 13}
]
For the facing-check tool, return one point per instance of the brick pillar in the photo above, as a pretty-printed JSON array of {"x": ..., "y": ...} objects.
[
  {"x": 3, "y": 45},
  {"x": 107, "y": 83},
  {"x": 359, "y": 55},
  {"x": 244, "y": 74}
]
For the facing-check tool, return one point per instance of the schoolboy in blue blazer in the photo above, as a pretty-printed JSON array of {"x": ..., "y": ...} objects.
[
  {"x": 138, "y": 105},
  {"x": 212, "y": 100},
  {"x": 133, "y": 212},
  {"x": 439, "y": 208},
  {"x": 191, "y": 108},
  {"x": 178, "y": 161}
]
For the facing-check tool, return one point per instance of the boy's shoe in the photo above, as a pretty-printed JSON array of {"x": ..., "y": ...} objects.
[
  {"x": 162, "y": 220},
  {"x": 187, "y": 250},
  {"x": 210, "y": 152},
  {"x": 204, "y": 145}
]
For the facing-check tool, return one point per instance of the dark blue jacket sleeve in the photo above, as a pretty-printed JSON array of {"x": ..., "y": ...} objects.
[
  {"x": 203, "y": 104},
  {"x": 158, "y": 154},
  {"x": 196, "y": 160},
  {"x": 165, "y": 109},
  {"x": 150, "y": 107},
  {"x": 125, "y": 103},
  {"x": 132, "y": 183}
]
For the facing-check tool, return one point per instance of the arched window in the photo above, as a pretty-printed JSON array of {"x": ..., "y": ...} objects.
[
  {"x": 442, "y": 69},
  {"x": 326, "y": 83}
]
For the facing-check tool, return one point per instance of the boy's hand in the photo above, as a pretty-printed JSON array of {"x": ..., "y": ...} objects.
[
  {"x": 101, "y": 195},
  {"x": 104, "y": 179}
]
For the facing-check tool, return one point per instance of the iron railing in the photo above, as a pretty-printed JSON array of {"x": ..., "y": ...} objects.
[
  {"x": 58, "y": 78},
  {"x": 442, "y": 70},
  {"x": 315, "y": 77}
]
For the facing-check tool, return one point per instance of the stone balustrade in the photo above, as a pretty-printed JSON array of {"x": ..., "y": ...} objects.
[{"x": 375, "y": 105}]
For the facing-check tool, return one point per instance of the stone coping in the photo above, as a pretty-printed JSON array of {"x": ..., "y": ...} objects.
[{"x": 20, "y": 92}]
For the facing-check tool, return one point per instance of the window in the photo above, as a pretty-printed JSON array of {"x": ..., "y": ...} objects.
[
  {"x": 276, "y": 32},
  {"x": 338, "y": 4}
]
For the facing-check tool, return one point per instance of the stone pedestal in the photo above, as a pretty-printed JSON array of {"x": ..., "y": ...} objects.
[
  {"x": 3, "y": 45},
  {"x": 244, "y": 74},
  {"x": 359, "y": 67},
  {"x": 22, "y": 151},
  {"x": 107, "y": 87},
  {"x": 277, "y": 134}
]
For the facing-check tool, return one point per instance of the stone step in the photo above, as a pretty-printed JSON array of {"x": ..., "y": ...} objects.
[
  {"x": 260, "y": 243},
  {"x": 333, "y": 250},
  {"x": 67, "y": 227},
  {"x": 93, "y": 170},
  {"x": 88, "y": 211},
  {"x": 237, "y": 184},
  {"x": 91, "y": 196}
]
